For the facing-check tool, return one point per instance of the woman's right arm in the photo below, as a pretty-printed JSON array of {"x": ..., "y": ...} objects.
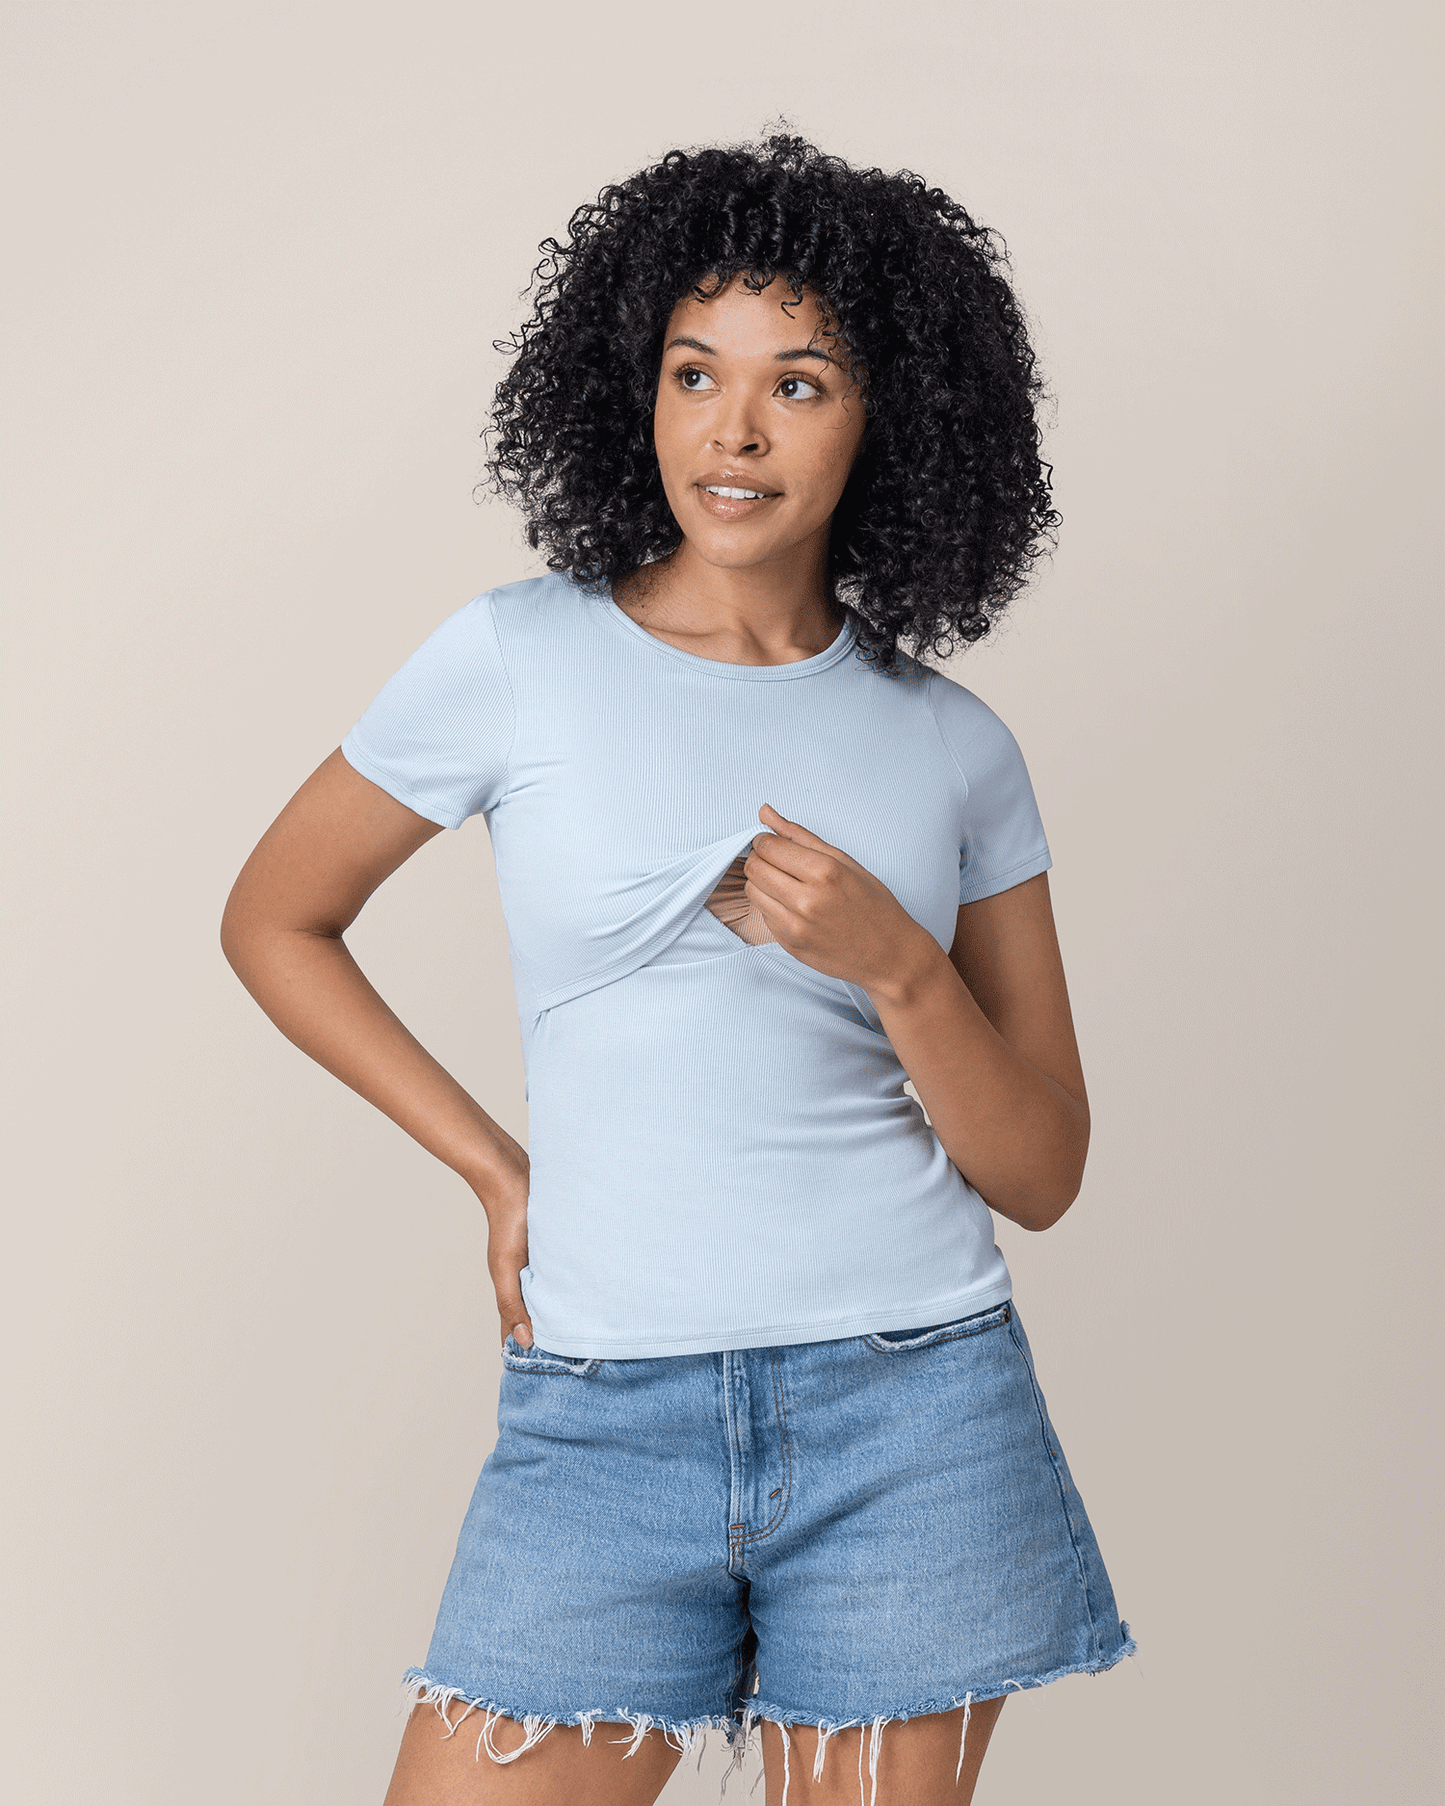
[{"x": 337, "y": 839}]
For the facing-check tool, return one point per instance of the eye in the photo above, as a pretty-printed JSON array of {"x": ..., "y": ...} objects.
[
  {"x": 694, "y": 379},
  {"x": 798, "y": 388}
]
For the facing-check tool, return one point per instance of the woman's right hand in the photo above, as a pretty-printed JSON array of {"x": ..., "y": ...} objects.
[{"x": 507, "y": 1255}]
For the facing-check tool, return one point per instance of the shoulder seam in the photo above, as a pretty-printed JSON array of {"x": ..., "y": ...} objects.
[
  {"x": 938, "y": 729},
  {"x": 511, "y": 691}
]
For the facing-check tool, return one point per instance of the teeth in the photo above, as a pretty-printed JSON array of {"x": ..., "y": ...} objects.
[{"x": 735, "y": 495}]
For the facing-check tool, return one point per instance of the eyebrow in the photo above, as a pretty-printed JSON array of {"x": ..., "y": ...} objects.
[{"x": 783, "y": 357}]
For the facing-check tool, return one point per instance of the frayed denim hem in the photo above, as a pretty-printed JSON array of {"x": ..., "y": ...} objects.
[
  {"x": 756, "y": 1710},
  {"x": 685, "y": 1735}
]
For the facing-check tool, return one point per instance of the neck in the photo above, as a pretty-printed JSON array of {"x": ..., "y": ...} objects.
[{"x": 762, "y": 614}]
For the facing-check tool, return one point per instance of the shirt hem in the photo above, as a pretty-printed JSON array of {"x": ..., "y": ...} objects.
[{"x": 630, "y": 1348}]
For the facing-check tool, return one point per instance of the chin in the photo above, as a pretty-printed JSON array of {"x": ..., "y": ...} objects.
[{"x": 733, "y": 557}]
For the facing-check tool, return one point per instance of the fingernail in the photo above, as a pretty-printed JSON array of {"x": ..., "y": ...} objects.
[{"x": 522, "y": 1334}]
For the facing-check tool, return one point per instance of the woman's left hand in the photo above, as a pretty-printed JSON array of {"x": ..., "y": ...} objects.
[{"x": 829, "y": 911}]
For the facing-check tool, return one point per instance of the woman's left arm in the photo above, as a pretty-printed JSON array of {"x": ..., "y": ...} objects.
[
  {"x": 987, "y": 1036},
  {"x": 985, "y": 1031}
]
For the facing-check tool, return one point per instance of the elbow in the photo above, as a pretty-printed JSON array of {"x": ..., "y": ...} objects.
[
  {"x": 1052, "y": 1194},
  {"x": 1043, "y": 1211},
  {"x": 1036, "y": 1207},
  {"x": 230, "y": 937},
  {"x": 245, "y": 932},
  {"x": 258, "y": 940},
  {"x": 234, "y": 936}
]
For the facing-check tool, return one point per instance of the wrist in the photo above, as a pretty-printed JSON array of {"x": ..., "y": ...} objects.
[
  {"x": 919, "y": 965},
  {"x": 497, "y": 1167}
]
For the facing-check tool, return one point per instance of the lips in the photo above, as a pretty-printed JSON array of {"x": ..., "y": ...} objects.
[
  {"x": 731, "y": 477},
  {"x": 732, "y": 495}
]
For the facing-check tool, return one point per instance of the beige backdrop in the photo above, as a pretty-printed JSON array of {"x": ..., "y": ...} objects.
[{"x": 257, "y": 257}]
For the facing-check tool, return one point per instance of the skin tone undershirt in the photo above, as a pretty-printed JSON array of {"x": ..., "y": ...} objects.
[{"x": 730, "y": 905}]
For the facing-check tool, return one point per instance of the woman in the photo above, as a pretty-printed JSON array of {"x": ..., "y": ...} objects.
[{"x": 771, "y": 1447}]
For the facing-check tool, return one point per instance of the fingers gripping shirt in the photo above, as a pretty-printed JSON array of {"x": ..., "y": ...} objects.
[
  {"x": 729, "y": 903},
  {"x": 722, "y": 1151}
]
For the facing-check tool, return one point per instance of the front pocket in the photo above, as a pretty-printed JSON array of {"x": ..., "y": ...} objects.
[
  {"x": 897, "y": 1341},
  {"x": 541, "y": 1360}
]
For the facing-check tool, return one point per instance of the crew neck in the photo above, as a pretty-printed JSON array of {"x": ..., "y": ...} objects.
[{"x": 718, "y": 667}]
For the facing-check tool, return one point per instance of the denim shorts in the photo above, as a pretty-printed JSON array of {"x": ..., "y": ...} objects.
[{"x": 837, "y": 1533}]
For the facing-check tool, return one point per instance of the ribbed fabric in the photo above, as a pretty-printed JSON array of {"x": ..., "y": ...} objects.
[{"x": 722, "y": 1152}]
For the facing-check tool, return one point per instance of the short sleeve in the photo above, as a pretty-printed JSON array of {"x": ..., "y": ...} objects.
[
  {"x": 1003, "y": 839},
  {"x": 438, "y": 735}
]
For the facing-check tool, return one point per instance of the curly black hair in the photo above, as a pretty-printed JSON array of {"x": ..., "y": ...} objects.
[{"x": 948, "y": 504}]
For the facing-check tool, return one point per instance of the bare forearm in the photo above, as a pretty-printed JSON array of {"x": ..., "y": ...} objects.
[
  {"x": 320, "y": 999},
  {"x": 1016, "y": 1135}
]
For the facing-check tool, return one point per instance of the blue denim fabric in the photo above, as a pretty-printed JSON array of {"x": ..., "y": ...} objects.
[{"x": 834, "y": 1533}]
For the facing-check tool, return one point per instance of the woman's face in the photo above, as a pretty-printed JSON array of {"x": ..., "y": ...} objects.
[{"x": 751, "y": 397}]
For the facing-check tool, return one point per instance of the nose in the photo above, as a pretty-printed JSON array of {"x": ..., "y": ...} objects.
[{"x": 736, "y": 428}]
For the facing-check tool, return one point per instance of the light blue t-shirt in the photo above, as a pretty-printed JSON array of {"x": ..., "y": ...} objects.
[{"x": 722, "y": 1151}]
